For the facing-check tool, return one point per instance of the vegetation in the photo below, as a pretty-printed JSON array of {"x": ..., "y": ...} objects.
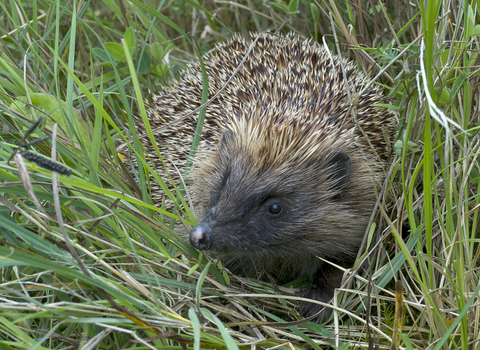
[{"x": 87, "y": 261}]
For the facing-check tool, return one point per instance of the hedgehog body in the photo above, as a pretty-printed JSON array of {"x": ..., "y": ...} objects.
[{"x": 287, "y": 168}]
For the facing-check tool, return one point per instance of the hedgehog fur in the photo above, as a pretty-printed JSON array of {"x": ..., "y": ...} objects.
[{"x": 284, "y": 173}]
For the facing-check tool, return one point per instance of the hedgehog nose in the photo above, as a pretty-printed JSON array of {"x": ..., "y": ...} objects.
[{"x": 201, "y": 236}]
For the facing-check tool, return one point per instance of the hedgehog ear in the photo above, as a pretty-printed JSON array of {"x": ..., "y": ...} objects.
[
  {"x": 227, "y": 136},
  {"x": 339, "y": 164},
  {"x": 225, "y": 139}
]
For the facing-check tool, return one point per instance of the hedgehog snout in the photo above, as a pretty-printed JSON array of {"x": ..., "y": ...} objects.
[{"x": 201, "y": 236}]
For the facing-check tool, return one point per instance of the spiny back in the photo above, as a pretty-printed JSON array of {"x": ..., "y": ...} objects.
[{"x": 290, "y": 80}]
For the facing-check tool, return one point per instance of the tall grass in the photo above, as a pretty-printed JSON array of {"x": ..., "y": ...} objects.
[{"x": 88, "y": 261}]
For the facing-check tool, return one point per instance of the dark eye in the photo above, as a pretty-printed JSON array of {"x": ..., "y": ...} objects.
[{"x": 275, "y": 209}]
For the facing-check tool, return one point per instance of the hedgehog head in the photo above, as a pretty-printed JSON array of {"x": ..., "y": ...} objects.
[{"x": 274, "y": 182}]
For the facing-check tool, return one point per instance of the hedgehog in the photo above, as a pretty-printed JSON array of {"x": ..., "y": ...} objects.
[{"x": 287, "y": 166}]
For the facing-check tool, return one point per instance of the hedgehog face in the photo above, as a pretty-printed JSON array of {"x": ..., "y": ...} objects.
[
  {"x": 253, "y": 201},
  {"x": 251, "y": 224}
]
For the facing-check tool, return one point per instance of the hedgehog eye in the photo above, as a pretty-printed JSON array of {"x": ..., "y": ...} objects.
[{"x": 275, "y": 209}]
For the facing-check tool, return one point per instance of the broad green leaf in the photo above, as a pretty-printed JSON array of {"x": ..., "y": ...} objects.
[
  {"x": 142, "y": 62},
  {"x": 130, "y": 38},
  {"x": 58, "y": 111},
  {"x": 456, "y": 85},
  {"x": 115, "y": 50},
  {"x": 476, "y": 30},
  {"x": 100, "y": 53},
  {"x": 157, "y": 51},
  {"x": 444, "y": 94},
  {"x": 280, "y": 6},
  {"x": 293, "y": 6}
]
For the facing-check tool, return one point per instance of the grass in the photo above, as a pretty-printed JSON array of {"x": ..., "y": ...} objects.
[{"x": 87, "y": 261}]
